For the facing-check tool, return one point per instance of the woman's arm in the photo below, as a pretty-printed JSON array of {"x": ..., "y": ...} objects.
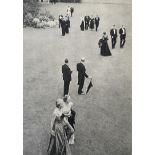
[{"x": 52, "y": 124}]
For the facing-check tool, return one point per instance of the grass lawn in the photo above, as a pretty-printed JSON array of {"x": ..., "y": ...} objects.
[{"x": 104, "y": 116}]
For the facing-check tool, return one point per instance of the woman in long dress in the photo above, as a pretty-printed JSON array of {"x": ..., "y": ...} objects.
[
  {"x": 103, "y": 45},
  {"x": 82, "y": 24},
  {"x": 58, "y": 142},
  {"x": 69, "y": 114}
]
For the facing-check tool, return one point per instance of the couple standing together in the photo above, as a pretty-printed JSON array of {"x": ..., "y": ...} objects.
[
  {"x": 62, "y": 128},
  {"x": 66, "y": 71},
  {"x": 103, "y": 42}
]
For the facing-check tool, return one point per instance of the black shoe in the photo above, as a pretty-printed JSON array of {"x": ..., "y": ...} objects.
[{"x": 81, "y": 93}]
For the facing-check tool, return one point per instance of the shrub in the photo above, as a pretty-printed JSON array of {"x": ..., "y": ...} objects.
[{"x": 30, "y": 10}]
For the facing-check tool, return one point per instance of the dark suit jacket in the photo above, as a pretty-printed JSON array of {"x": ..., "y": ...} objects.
[
  {"x": 86, "y": 19},
  {"x": 112, "y": 33},
  {"x": 97, "y": 20},
  {"x": 81, "y": 72},
  {"x": 121, "y": 32},
  {"x": 66, "y": 73}
]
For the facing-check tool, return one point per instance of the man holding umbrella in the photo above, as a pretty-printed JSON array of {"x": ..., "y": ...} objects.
[{"x": 81, "y": 75}]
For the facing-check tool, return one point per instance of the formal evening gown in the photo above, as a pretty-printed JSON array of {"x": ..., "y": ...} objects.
[
  {"x": 82, "y": 26},
  {"x": 59, "y": 142},
  {"x": 103, "y": 44}
]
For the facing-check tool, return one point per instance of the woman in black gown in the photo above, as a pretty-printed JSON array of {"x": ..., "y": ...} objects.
[
  {"x": 82, "y": 24},
  {"x": 103, "y": 45}
]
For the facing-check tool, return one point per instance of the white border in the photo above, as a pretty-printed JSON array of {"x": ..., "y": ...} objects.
[
  {"x": 11, "y": 79},
  {"x": 143, "y": 78}
]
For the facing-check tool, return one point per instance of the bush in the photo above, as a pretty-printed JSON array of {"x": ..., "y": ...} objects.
[
  {"x": 30, "y": 10},
  {"x": 33, "y": 18}
]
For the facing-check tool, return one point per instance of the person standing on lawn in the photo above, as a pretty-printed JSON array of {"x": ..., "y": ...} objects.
[
  {"x": 66, "y": 71},
  {"x": 63, "y": 26},
  {"x": 97, "y": 21},
  {"x": 81, "y": 75},
  {"x": 122, "y": 32},
  {"x": 113, "y": 33}
]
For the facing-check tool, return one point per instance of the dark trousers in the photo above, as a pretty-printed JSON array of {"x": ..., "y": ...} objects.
[
  {"x": 122, "y": 42},
  {"x": 86, "y": 26},
  {"x": 59, "y": 23},
  {"x": 66, "y": 87},
  {"x": 67, "y": 30},
  {"x": 113, "y": 41},
  {"x": 63, "y": 31},
  {"x": 97, "y": 26},
  {"x": 81, "y": 83}
]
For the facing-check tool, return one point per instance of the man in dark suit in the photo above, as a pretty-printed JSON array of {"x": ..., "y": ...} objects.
[
  {"x": 66, "y": 71},
  {"x": 63, "y": 26},
  {"x": 86, "y": 20},
  {"x": 97, "y": 20},
  {"x": 122, "y": 32},
  {"x": 60, "y": 20},
  {"x": 72, "y": 10},
  {"x": 81, "y": 75},
  {"x": 113, "y": 33}
]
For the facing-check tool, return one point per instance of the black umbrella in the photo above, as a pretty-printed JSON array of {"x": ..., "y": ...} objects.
[{"x": 89, "y": 86}]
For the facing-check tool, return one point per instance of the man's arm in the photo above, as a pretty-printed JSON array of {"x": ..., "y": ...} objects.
[
  {"x": 84, "y": 72},
  {"x": 62, "y": 70}
]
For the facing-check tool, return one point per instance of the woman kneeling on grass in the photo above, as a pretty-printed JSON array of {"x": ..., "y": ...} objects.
[{"x": 59, "y": 141}]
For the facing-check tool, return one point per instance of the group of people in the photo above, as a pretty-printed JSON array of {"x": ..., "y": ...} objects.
[
  {"x": 63, "y": 117},
  {"x": 64, "y": 24},
  {"x": 64, "y": 21},
  {"x": 70, "y": 11},
  {"x": 66, "y": 72},
  {"x": 89, "y": 22},
  {"x": 103, "y": 42},
  {"x": 62, "y": 127},
  {"x": 113, "y": 34}
]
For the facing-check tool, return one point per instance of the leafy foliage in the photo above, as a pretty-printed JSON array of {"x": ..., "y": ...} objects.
[{"x": 30, "y": 10}]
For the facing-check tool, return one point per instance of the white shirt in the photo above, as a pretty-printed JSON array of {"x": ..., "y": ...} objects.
[
  {"x": 67, "y": 108},
  {"x": 123, "y": 30},
  {"x": 114, "y": 31}
]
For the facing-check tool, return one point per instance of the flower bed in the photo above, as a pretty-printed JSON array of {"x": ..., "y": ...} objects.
[{"x": 33, "y": 18}]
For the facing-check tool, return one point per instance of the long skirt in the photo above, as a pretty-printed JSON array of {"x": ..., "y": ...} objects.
[
  {"x": 105, "y": 51},
  {"x": 82, "y": 26},
  {"x": 59, "y": 143}
]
